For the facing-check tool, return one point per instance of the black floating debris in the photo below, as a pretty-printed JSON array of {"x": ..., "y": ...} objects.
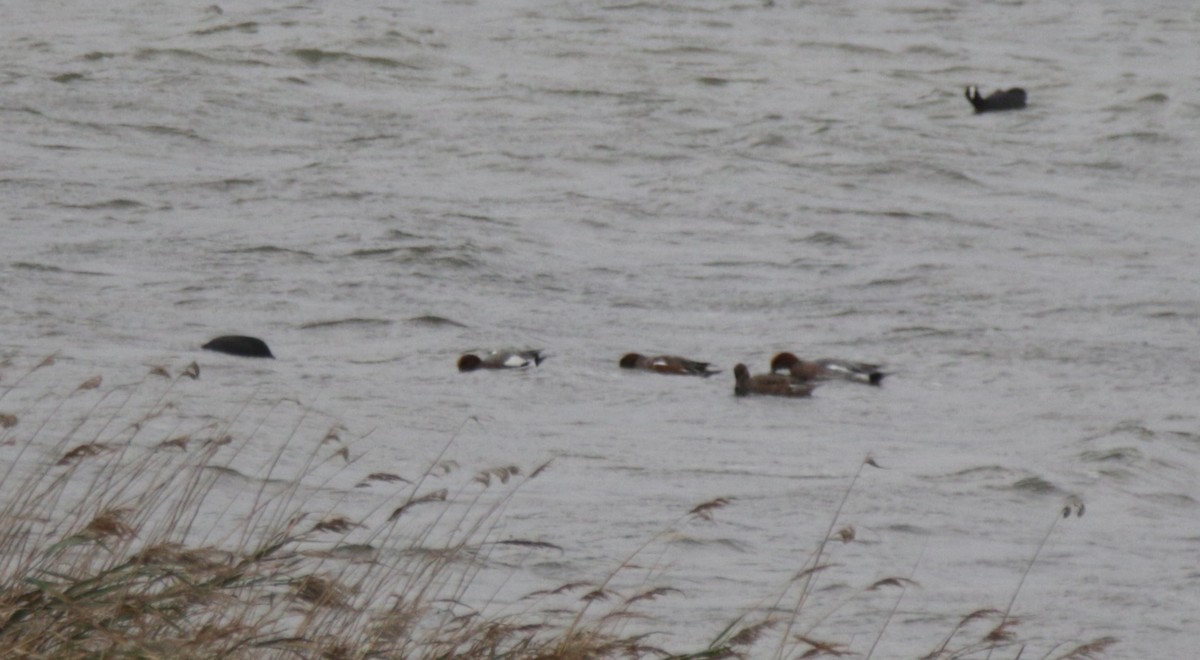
[
  {"x": 239, "y": 345},
  {"x": 1004, "y": 99}
]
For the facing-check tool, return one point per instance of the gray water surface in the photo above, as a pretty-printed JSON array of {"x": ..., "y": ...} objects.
[{"x": 375, "y": 190}]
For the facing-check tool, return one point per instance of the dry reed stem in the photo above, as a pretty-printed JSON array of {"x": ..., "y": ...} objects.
[
  {"x": 124, "y": 573},
  {"x": 1089, "y": 650},
  {"x": 112, "y": 523},
  {"x": 83, "y": 451},
  {"x": 45, "y": 362},
  {"x": 570, "y": 586},
  {"x": 245, "y": 572},
  {"x": 903, "y": 584},
  {"x": 601, "y": 592},
  {"x": 808, "y": 575},
  {"x": 191, "y": 371},
  {"x": 503, "y": 474},
  {"x": 940, "y": 649},
  {"x": 1072, "y": 504},
  {"x": 705, "y": 510},
  {"x": 180, "y": 442},
  {"x": 109, "y": 523},
  {"x": 386, "y": 476},
  {"x": 750, "y": 634},
  {"x": 539, "y": 469},
  {"x": 336, "y": 524},
  {"x": 435, "y": 496},
  {"x": 320, "y": 591},
  {"x": 91, "y": 383},
  {"x": 651, "y": 594},
  {"x": 820, "y": 648}
]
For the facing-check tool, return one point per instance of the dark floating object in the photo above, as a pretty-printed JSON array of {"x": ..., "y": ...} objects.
[
  {"x": 500, "y": 360},
  {"x": 769, "y": 384},
  {"x": 239, "y": 345},
  {"x": 667, "y": 364},
  {"x": 826, "y": 369},
  {"x": 1004, "y": 99}
]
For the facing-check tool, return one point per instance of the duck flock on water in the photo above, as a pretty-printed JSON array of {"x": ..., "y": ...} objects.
[{"x": 789, "y": 375}]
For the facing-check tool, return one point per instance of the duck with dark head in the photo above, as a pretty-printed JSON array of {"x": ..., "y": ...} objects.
[
  {"x": 827, "y": 369},
  {"x": 768, "y": 384},
  {"x": 503, "y": 359},
  {"x": 1002, "y": 99},
  {"x": 666, "y": 364}
]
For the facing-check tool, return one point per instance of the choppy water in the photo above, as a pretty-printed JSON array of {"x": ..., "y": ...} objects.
[{"x": 375, "y": 190}]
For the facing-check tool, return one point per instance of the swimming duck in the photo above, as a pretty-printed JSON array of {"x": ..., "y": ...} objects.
[
  {"x": 1002, "y": 99},
  {"x": 769, "y": 384},
  {"x": 825, "y": 369},
  {"x": 667, "y": 364},
  {"x": 500, "y": 360}
]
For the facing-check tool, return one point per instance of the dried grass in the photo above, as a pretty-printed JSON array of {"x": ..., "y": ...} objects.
[{"x": 109, "y": 550}]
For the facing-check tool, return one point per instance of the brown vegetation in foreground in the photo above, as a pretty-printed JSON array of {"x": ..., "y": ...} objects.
[{"x": 109, "y": 549}]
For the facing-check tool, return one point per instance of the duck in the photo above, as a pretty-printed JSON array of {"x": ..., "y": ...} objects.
[
  {"x": 667, "y": 364},
  {"x": 1001, "y": 99},
  {"x": 505, "y": 359},
  {"x": 826, "y": 369},
  {"x": 769, "y": 384},
  {"x": 239, "y": 345}
]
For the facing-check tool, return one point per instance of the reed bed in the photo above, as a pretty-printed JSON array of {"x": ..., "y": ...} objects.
[{"x": 119, "y": 536}]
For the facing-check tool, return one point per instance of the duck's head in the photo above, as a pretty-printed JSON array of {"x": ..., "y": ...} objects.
[
  {"x": 783, "y": 362},
  {"x": 630, "y": 361}
]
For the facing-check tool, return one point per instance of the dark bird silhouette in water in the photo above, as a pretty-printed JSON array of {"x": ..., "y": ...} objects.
[
  {"x": 827, "y": 369},
  {"x": 768, "y": 384},
  {"x": 666, "y": 364},
  {"x": 239, "y": 345},
  {"x": 1002, "y": 99},
  {"x": 504, "y": 359}
]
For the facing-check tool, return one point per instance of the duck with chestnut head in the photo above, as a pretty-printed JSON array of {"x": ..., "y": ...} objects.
[
  {"x": 667, "y": 364},
  {"x": 826, "y": 369}
]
